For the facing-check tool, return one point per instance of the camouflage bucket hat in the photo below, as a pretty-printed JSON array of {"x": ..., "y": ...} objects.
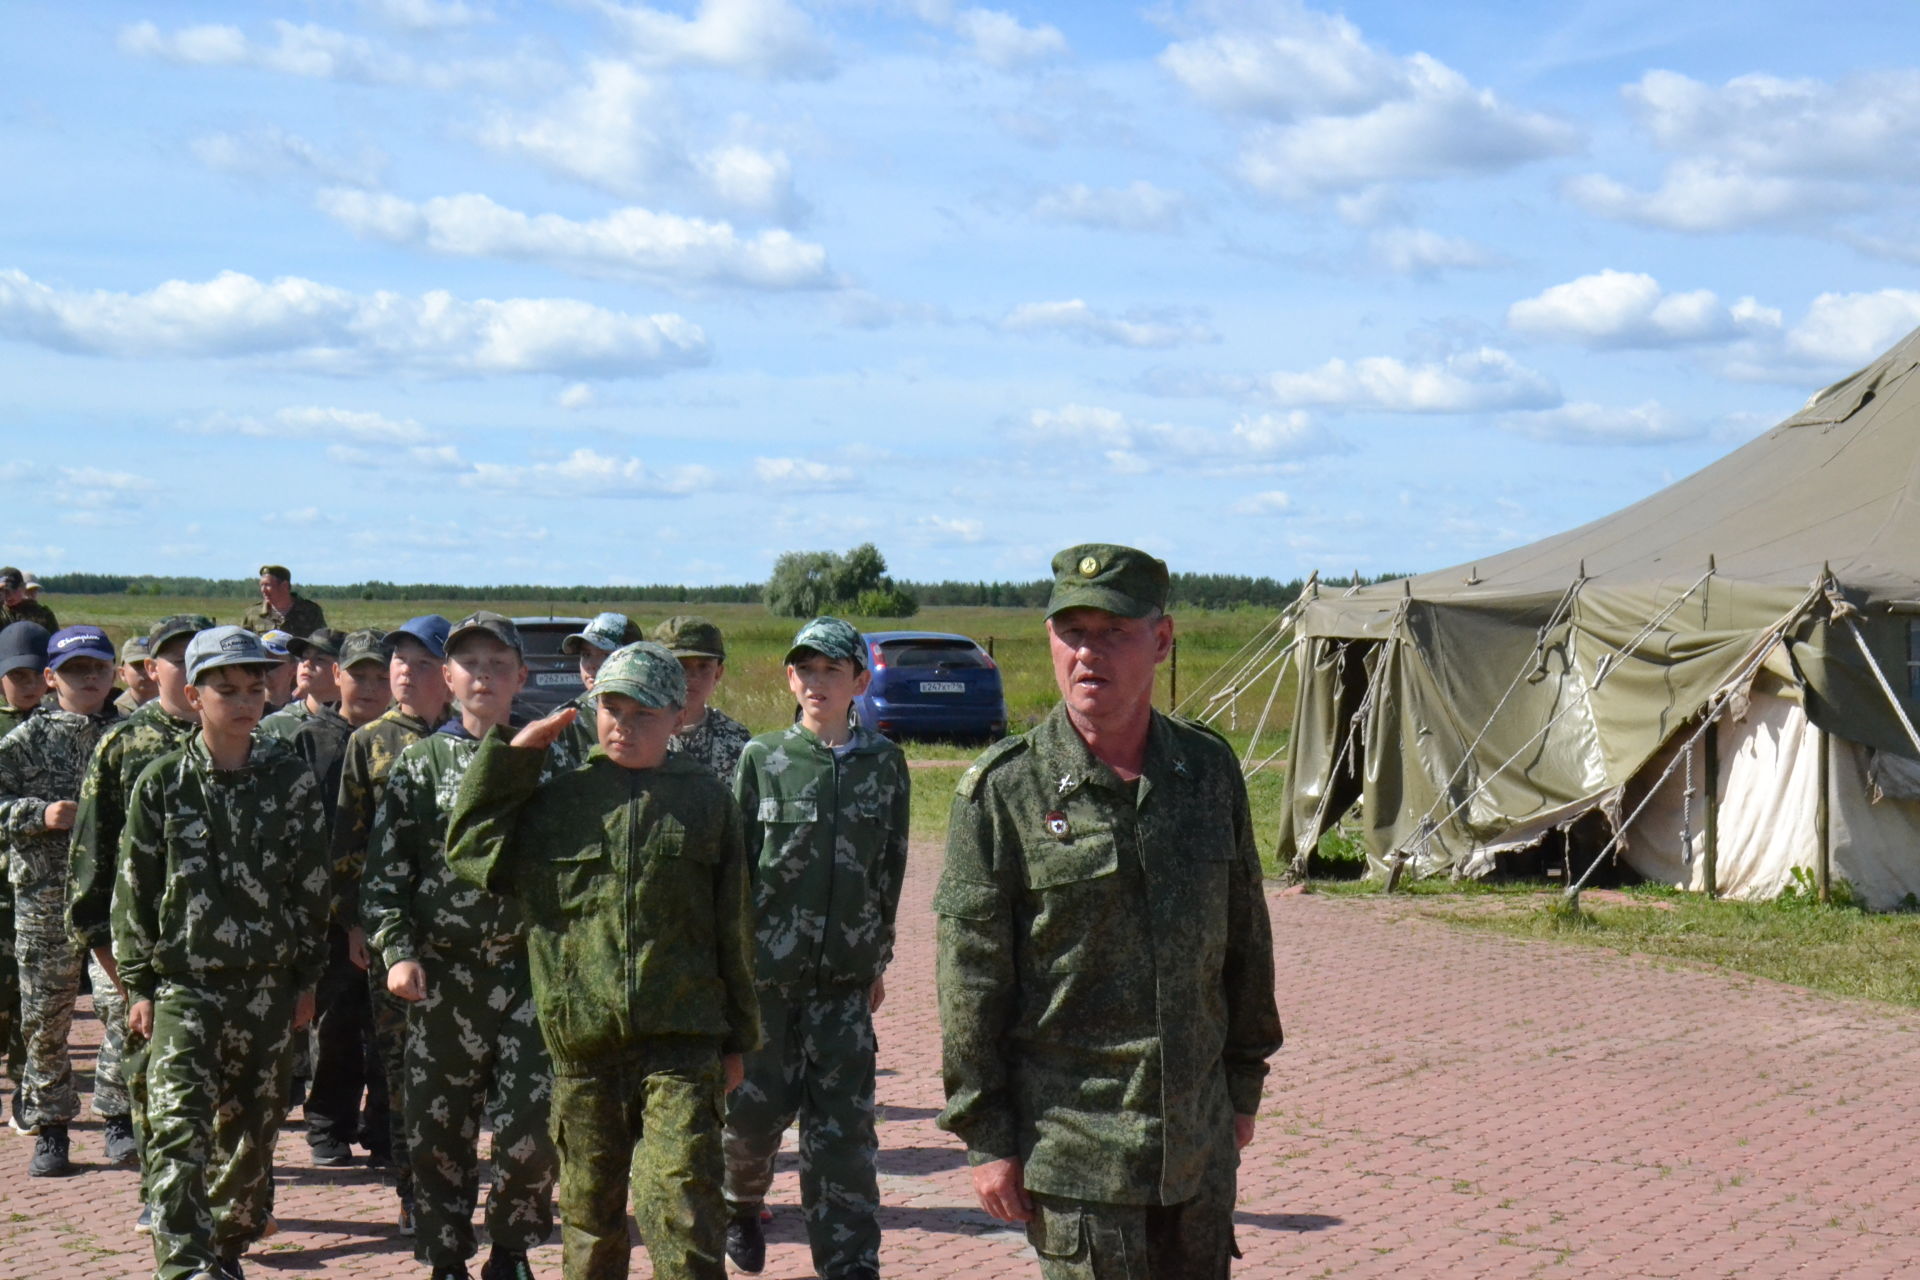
[
  {"x": 180, "y": 624},
  {"x": 607, "y": 632},
  {"x": 690, "y": 637},
  {"x": 832, "y": 638},
  {"x": 645, "y": 672},
  {"x": 488, "y": 623},
  {"x": 364, "y": 646},
  {"x": 225, "y": 647},
  {"x": 1101, "y": 575}
]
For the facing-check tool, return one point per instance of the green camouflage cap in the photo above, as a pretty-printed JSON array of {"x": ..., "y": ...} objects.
[
  {"x": 833, "y": 638},
  {"x": 180, "y": 624},
  {"x": 689, "y": 637},
  {"x": 607, "y": 632},
  {"x": 486, "y": 622},
  {"x": 325, "y": 642},
  {"x": 369, "y": 645},
  {"x": 1100, "y": 575},
  {"x": 134, "y": 649},
  {"x": 645, "y": 672}
]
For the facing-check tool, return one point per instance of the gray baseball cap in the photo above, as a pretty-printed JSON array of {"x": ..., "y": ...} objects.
[
  {"x": 607, "y": 632},
  {"x": 225, "y": 647},
  {"x": 645, "y": 672}
]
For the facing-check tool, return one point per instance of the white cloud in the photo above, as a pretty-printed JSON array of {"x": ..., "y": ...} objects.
[
  {"x": 1001, "y": 40},
  {"x": 412, "y": 458},
  {"x": 329, "y": 330},
  {"x": 1477, "y": 381},
  {"x": 1283, "y": 61},
  {"x": 275, "y": 153},
  {"x": 626, "y": 242},
  {"x": 314, "y": 52},
  {"x": 1079, "y": 321},
  {"x": 1851, "y": 329},
  {"x": 575, "y": 395},
  {"x": 1583, "y": 422},
  {"x": 316, "y": 422},
  {"x": 1133, "y": 447},
  {"x": 1416, "y": 251},
  {"x": 798, "y": 475},
  {"x": 586, "y": 473},
  {"x": 425, "y": 15},
  {"x": 1711, "y": 195},
  {"x": 1630, "y": 309},
  {"x": 1273, "y": 502},
  {"x": 768, "y": 38},
  {"x": 958, "y": 529},
  {"x": 1138, "y": 206}
]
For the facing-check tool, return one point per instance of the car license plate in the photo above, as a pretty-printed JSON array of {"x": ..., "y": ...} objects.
[
  {"x": 942, "y": 686},
  {"x": 548, "y": 679}
]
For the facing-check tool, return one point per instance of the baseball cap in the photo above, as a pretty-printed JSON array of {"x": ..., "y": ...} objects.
[
  {"x": 23, "y": 644},
  {"x": 486, "y": 622},
  {"x": 78, "y": 642},
  {"x": 134, "y": 649},
  {"x": 275, "y": 571},
  {"x": 11, "y": 578},
  {"x": 690, "y": 637},
  {"x": 607, "y": 632},
  {"x": 430, "y": 629},
  {"x": 275, "y": 642},
  {"x": 225, "y": 647},
  {"x": 180, "y": 624},
  {"x": 1102, "y": 575},
  {"x": 369, "y": 645},
  {"x": 325, "y": 642},
  {"x": 833, "y": 638},
  {"x": 30, "y": 586},
  {"x": 645, "y": 672}
]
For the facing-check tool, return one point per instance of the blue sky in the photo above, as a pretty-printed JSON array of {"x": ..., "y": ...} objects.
[{"x": 464, "y": 290}]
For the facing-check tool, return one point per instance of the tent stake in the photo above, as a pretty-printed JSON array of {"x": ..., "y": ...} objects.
[{"x": 1711, "y": 866}]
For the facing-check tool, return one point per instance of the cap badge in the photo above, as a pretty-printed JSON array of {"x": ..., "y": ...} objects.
[
  {"x": 1089, "y": 566},
  {"x": 1057, "y": 825}
]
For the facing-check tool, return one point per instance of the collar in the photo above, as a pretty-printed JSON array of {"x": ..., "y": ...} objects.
[{"x": 1071, "y": 764}]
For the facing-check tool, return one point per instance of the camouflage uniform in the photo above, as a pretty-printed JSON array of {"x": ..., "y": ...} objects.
[
  {"x": 302, "y": 618},
  {"x": 473, "y": 1045},
  {"x": 1106, "y": 992},
  {"x": 28, "y": 610},
  {"x": 219, "y": 918},
  {"x": 127, "y": 703},
  {"x": 829, "y": 832},
  {"x": 715, "y": 742},
  {"x": 634, "y": 887},
  {"x": 41, "y": 762},
  {"x": 10, "y": 1040},
  {"x": 286, "y": 722},
  {"x": 570, "y": 750}
]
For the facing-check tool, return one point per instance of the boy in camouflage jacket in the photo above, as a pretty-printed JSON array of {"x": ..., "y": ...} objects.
[
  {"x": 23, "y": 686},
  {"x": 825, "y": 805},
  {"x": 631, "y": 874}
]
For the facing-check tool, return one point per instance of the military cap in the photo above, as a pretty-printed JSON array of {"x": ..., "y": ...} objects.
[
  {"x": 607, "y": 632},
  {"x": 23, "y": 644},
  {"x": 645, "y": 672},
  {"x": 325, "y": 642},
  {"x": 486, "y": 622},
  {"x": 133, "y": 650},
  {"x": 276, "y": 571},
  {"x": 180, "y": 624},
  {"x": 11, "y": 578},
  {"x": 1100, "y": 575},
  {"x": 430, "y": 629},
  {"x": 31, "y": 587},
  {"x": 78, "y": 642},
  {"x": 689, "y": 637},
  {"x": 225, "y": 647},
  {"x": 831, "y": 637},
  {"x": 277, "y": 642},
  {"x": 364, "y": 646}
]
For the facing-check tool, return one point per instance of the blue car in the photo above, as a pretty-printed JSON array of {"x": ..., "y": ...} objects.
[{"x": 927, "y": 684}]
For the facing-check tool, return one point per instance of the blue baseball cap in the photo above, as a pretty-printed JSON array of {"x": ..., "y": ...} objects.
[
  {"x": 430, "y": 629},
  {"x": 79, "y": 642},
  {"x": 23, "y": 644}
]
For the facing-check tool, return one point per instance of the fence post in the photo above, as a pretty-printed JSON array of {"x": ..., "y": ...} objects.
[{"x": 989, "y": 646}]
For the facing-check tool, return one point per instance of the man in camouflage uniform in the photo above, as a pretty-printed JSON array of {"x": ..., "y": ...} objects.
[
  {"x": 458, "y": 955},
  {"x": 219, "y": 921},
  {"x": 42, "y": 765},
  {"x": 1105, "y": 957},
  {"x": 126, "y": 749},
  {"x": 633, "y": 880},
  {"x": 282, "y": 608},
  {"x": 707, "y": 733},
  {"x": 591, "y": 645},
  {"x": 417, "y": 648},
  {"x": 133, "y": 673},
  {"x": 23, "y": 687},
  {"x": 825, "y": 806},
  {"x": 16, "y": 605},
  {"x": 316, "y": 682}
]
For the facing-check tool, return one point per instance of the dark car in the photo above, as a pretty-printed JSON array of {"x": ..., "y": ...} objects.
[
  {"x": 553, "y": 677},
  {"x": 927, "y": 684}
]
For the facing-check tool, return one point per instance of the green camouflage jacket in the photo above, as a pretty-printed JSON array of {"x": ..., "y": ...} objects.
[
  {"x": 570, "y": 750},
  {"x": 123, "y": 752},
  {"x": 321, "y": 740},
  {"x": 634, "y": 887},
  {"x": 28, "y": 611},
  {"x": 371, "y": 751},
  {"x": 828, "y": 833},
  {"x": 715, "y": 742},
  {"x": 302, "y": 618},
  {"x": 409, "y": 897},
  {"x": 12, "y": 717},
  {"x": 1105, "y": 963},
  {"x": 224, "y": 874},
  {"x": 42, "y": 761},
  {"x": 286, "y": 722}
]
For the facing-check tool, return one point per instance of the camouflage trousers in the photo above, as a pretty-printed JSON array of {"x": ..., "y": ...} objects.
[
  {"x": 652, "y": 1119},
  {"x": 49, "y": 968},
  {"x": 216, "y": 1091},
  {"x": 11, "y": 1041},
  {"x": 1090, "y": 1240},
  {"x": 389, "y": 1013},
  {"x": 474, "y": 1050},
  {"x": 817, "y": 1061}
]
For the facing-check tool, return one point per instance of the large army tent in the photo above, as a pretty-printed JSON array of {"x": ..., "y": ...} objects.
[{"x": 1725, "y": 673}]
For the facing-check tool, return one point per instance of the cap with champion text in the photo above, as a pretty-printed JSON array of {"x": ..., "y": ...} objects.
[
  {"x": 607, "y": 632},
  {"x": 180, "y": 624},
  {"x": 324, "y": 643},
  {"x": 645, "y": 672},
  {"x": 133, "y": 649},
  {"x": 69, "y": 643},
  {"x": 688, "y": 637},
  {"x": 225, "y": 647},
  {"x": 485, "y": 622},
  {"x": 430, "y": 629},
  {"x": 275, "y": 642},
  {"x": 1101, "y": 575},
  {"x": 369, "y": 645},
  {"x": 23, "y": 644},
  {"x": 833, "y": 638}
]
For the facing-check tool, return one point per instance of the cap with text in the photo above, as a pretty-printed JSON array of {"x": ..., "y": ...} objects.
[
  {"x": 69, "y": 643},
  {"x": 219, "y": 647}
]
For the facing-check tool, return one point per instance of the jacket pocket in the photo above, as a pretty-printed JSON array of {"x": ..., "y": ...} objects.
[
  {"x": 1053, "y": 863},
  {"x": 582, "y": 878}
]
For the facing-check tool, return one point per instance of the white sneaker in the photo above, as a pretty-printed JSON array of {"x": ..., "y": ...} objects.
[{"x": 24, "y": 1130}]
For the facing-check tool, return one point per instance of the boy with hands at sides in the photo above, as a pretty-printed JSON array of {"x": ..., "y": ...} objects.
[{"x": 630, "y": 871}]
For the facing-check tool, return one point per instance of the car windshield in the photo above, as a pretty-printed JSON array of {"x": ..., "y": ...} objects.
[
  {"x": 543, "y": 641},
  {"x": 932, "y": 653}
]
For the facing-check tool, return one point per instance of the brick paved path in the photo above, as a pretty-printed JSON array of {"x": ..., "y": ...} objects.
[{"x": 1449, "y": 1104}]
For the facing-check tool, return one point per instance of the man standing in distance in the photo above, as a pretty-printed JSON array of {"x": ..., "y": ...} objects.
[
  {"x": 1105, "y": 956},
  {"x": 18, "y": 605},
  {"x": 281, "y": 607}
]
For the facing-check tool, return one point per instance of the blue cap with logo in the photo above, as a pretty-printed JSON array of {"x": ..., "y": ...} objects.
[
  {"x": 69, "y": 643},
  {"x": 225, "y": 647},
  {"x": 430, "y": 629}
]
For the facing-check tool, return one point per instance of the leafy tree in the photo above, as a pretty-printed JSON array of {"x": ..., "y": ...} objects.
[{"x": 806, "y": 584}]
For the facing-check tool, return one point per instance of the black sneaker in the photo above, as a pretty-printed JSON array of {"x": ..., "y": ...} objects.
[
  {"x": 860, "y": 1273},
  {"x": 506, "y": 1264},
  {"x": 379, "y": 1157},
  {"x": 50, "y": 1153},
  {"x": 330, "y": 1152},
  {"x": 121, "y": 1148},
  {"x": 746, "y": 1242},
  {"x": 230, "y": 1269}
]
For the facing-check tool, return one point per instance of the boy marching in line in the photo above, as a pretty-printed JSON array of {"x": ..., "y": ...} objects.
[
  {"x": 316, "y": 683},
  {"x": 631, "y": 875},
  {"x": 124, "y": 751},
  {"x": 219, "y": 927},
  {"x": 133, "y": 674},
  {"x": 458, "y": 955},
  {"x": 23, "y": 686},
  {"x": 42, "y": 766},
  {"x": 591, "y": 645},
  {"x": 418, "y": 648},
  {"x": 706, "y": 733},
  {"x": 825, "y": 806}
]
